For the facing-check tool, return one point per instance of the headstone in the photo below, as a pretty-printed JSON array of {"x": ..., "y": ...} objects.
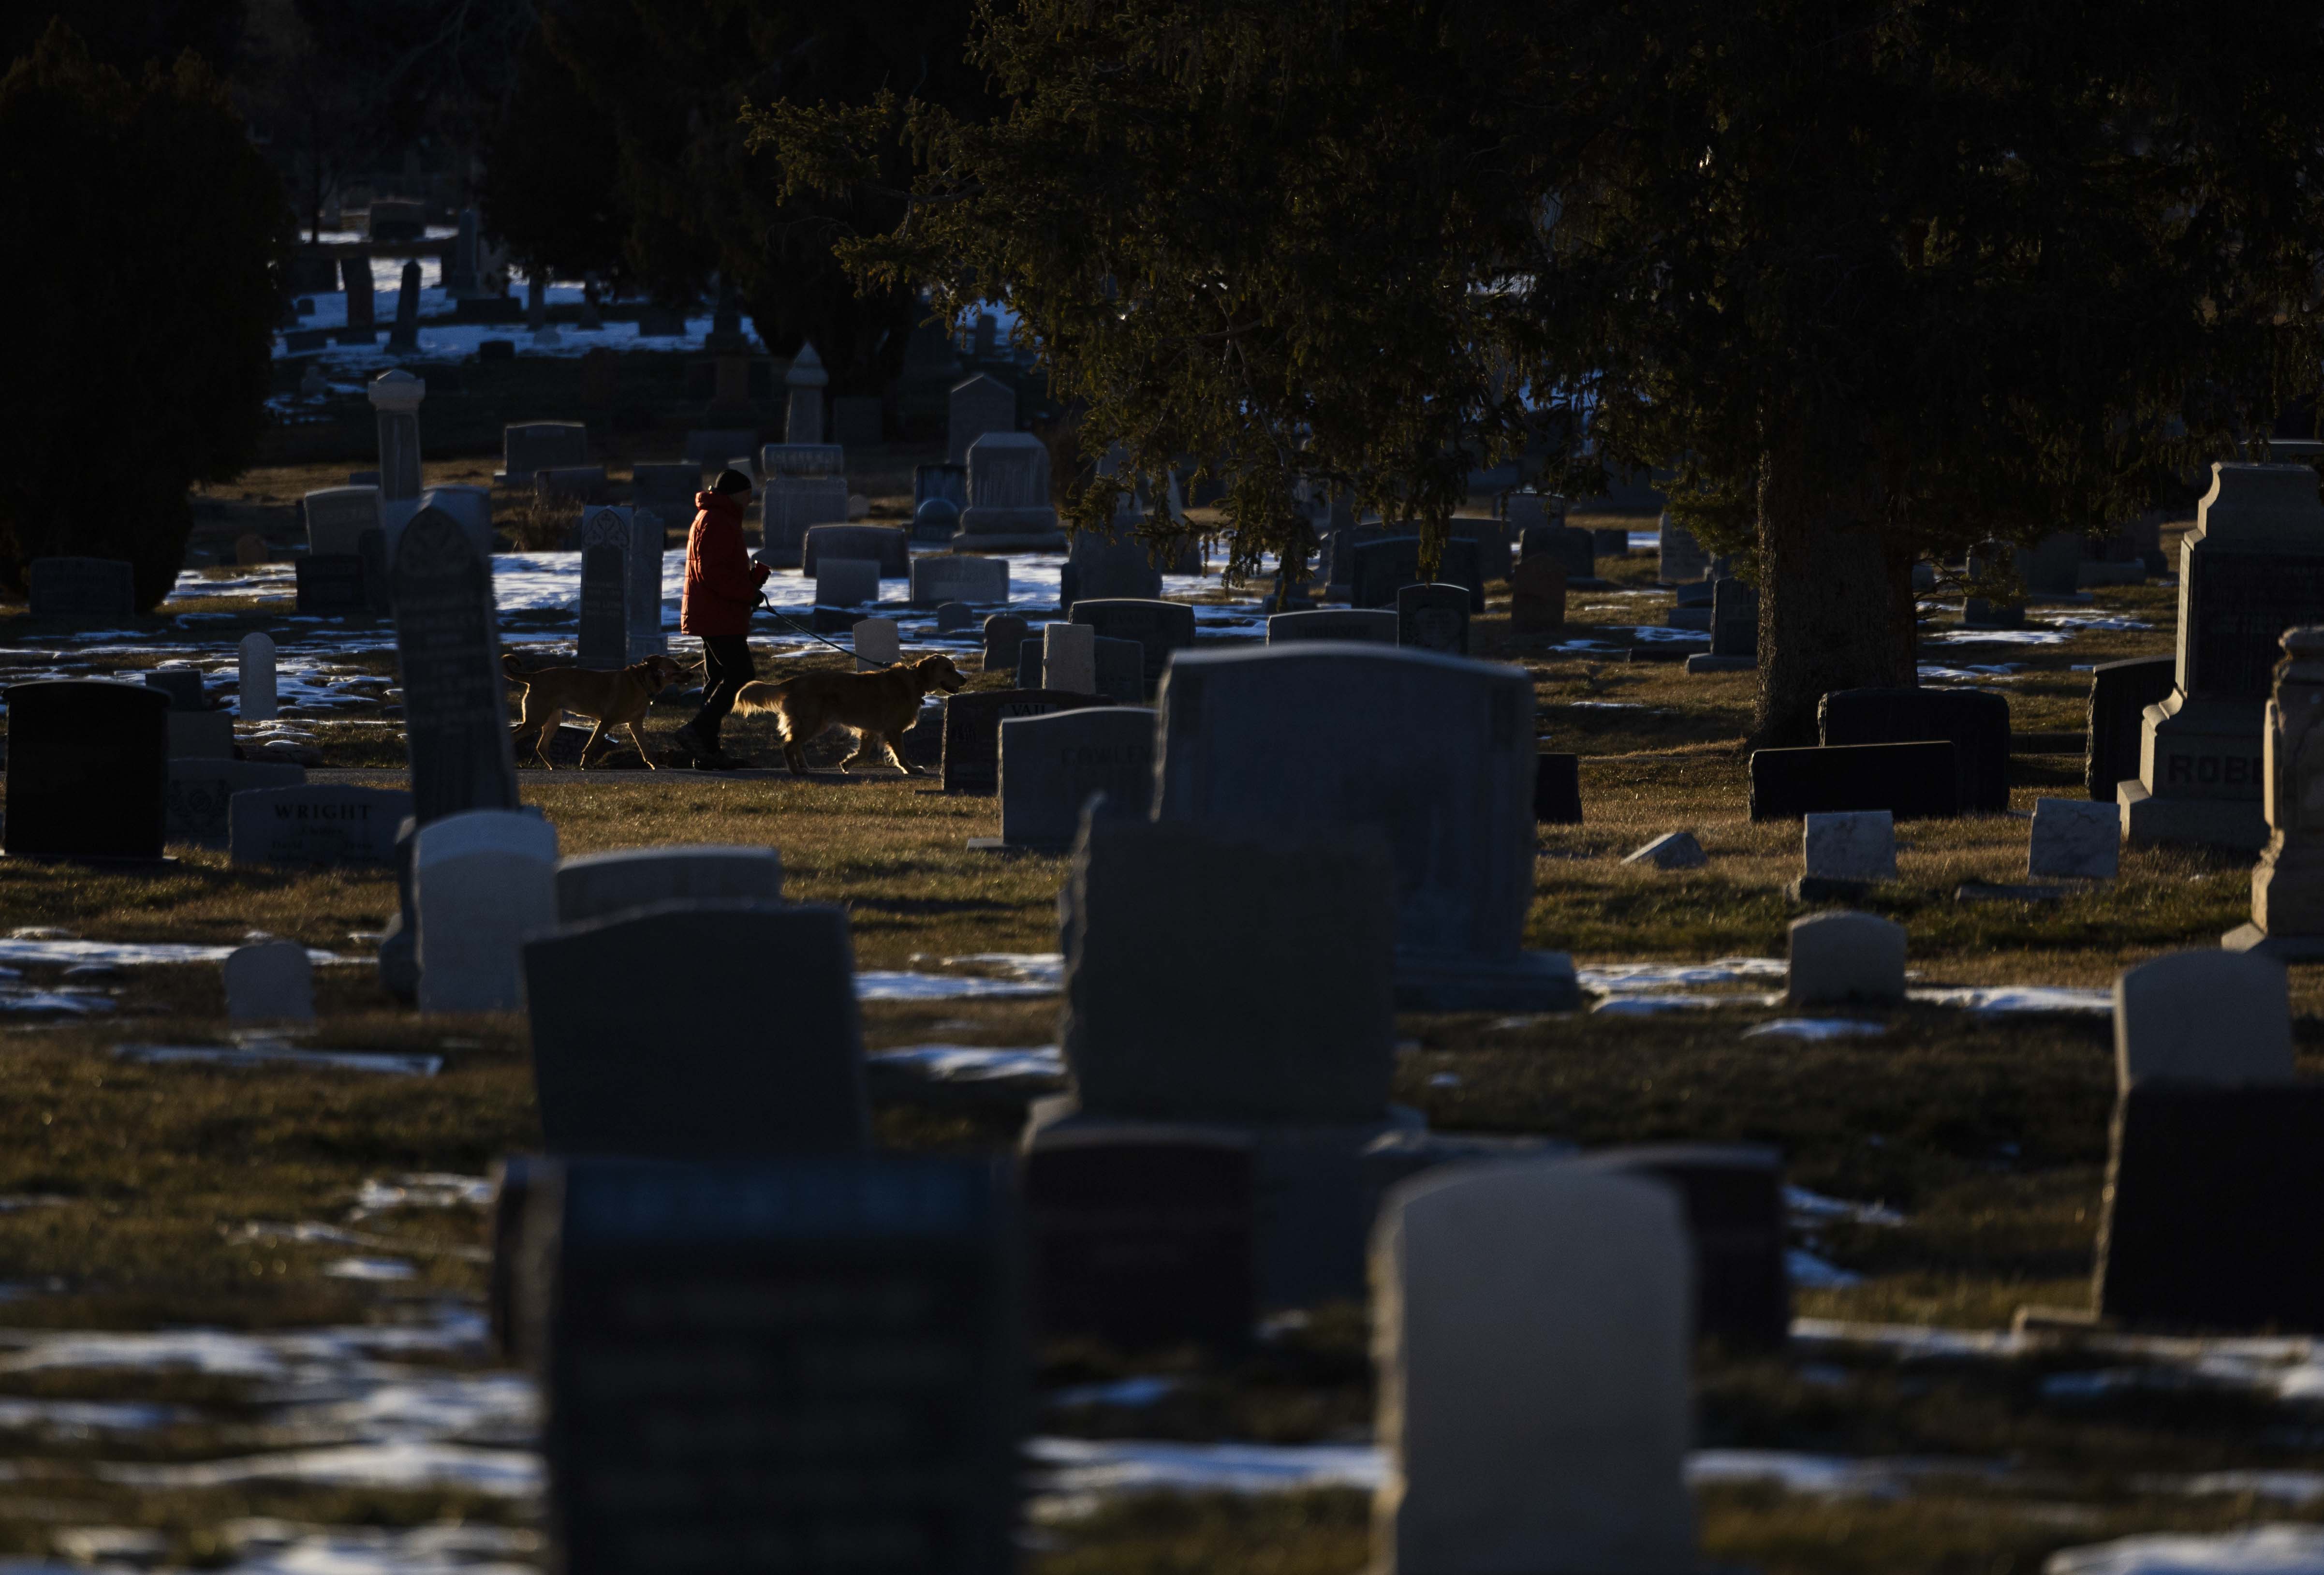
[
  {"x": 955, "y": 618},
  {"x": 1004, "y": 633},
  {"x": 1573, "y": 550},
  {"x": 1107, "y": 567},
  {"x": 802, "y": 485},
  {"x": 202, "y": 735},
  {"x": 1682, "y": 560},
  {"x": 2252, "y": 567},
  {"x": 2287, "y": 898},
  {"x": 604, "y": 644},
  {"x": 1386, "y": 567},
  {"x": 536, "y": 303},
  {"x": 667, "y": 490},
  {"x": 355, "y": 273},
  {"x": 1735, "y": 624},
  {"x": 272, "y": 980},
  {"x": 464, "y": 274},
  {"x": 1738, "y": 1223},
  {"x": 484, "y": 881},
  {"x": 256, "y": 675},
  {"x": 948, "y": 481},
  {"x": 1838, "y": 958},
  {"x": 1052, "y": 763},
  {"x": 1009, "y": 493},
  {"x": 472, "y": 507},
  {"x": 80, "y": 587},
  {"x": 846, "y": 582},
  {"x": 596, "y": 886},
  {"x": 857, "y": 420},
  {"x": 387, "y": 220},
  {"x": 395, "y": 398},
  {"x": 1533, "y": 1321},
  {"x": 250, "y": 550},
  {"x": 2217, "y": 1018},
  {"x": 1494, "y": 557},
  {"x": 316, "y": 824},
  {"x": 1437, "y": 751},
  {"x": 2120, "y": 693},
  {"x": 936, "y": 522},
  {"x": 971, "y": 729},
  {"x": 1121, "y": 667},
  {"x": 979, "y": 405},
  {"x": 1159, "y": 628},
  {"x": 2051, "y": 568},
  {"x": 584, "y": 482},
  {"x": 198, "y": 805},
  {"x": 1028, "y": 665},
  {"x": 332, "y": 586},
  {"x": 448, "y": 658},
  {"x": 404, "y": 337},
  {"x": 642, "y": 600},
  {"x": 1069, "y": 658},
  {"x": 730, "y": 1080},
  {"x": 1537, "y": 596},
  {"x": 1140, "y": 918},
  {"x": 336, "y": 518},
  {"x": 1907, "y": 779},
  {"x": 884, "y": 545},
  {"x": 1143, "y": 1239},
  {"x": 2074, "y": 839},
  {"x": 1975, "y": 721},
  {"x": 1612, "y": 541},
  {"x": 803, "y": 386},
  {"x": 2214, "y": 1201},
  {"x": 1557, "y": 789},
  {"x": 936, "y": 579},
  {"x": 87, "y": 769},
  {"x": 1432, "y": 618},
  {"x": 1374, "y": 625},
  {"x": 531, "y": 447},
  {"x": 878, "y": 643},
  {"x": 1852, "y": 845},
  {"x": 713, "y": 448},
  {"x": 1670, "y": 850},
  {"x": 183, "y": 685},
  {"x": 798, "y": 1364}
]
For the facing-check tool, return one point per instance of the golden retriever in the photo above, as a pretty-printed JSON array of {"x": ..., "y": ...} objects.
[
  {"x": 877, "y": 705},
  {"x": 611, "y": 699}
]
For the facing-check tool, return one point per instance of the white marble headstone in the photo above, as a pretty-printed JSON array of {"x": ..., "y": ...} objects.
[
  {"x": 878, "y": 643},
  {"x": 1858, "y": 844},
  {"x": 1838, "y": 957},
  {"x": 1069, "y": 658},
  {"x": 1533, "y": 1323},
  {"x": 482, "y": 881},
  {"x": 2203, "y": 1017},
  {"x": 2076, "y": 839},
  {"x": 270, "y": 980}
]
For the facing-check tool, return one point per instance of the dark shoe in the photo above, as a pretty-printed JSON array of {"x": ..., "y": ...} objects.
[
  {"x": 727, "y": 762},
  {"x": 690, "y": 744}
]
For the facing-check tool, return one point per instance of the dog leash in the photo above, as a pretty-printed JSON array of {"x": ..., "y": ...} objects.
[{"x": 768, "y": 608}]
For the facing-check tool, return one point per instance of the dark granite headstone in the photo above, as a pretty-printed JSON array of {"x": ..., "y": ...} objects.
[
  {"x": 1976, "y": 722},
  {"x": 1907, "y": 779},
  {"x": 810, "y": 1364},
  {"x": 2120, "y": 693},
  {"x": 198, "y": 803},
  {"x": 888, "y": 546},
  {"x": 1573, "y": 550},
  {"x": 80, "y": 587},
  {"x": 89, "y": 769},
  {"x": 604, "y": 644},
  {"x": 1386, "y": 567},
  {"x": 1159, "y": 627},
  {"x": 1735, "y": 623},
  {"x": 2238, "y": 605},
  {"x": 1434, "y": 618},
  {"x": 1143, "y": 1239},
  {"x": 1494, "y": 557},
  {"x": 1537, "y": 596},
  {"x": 1004, "y": 635},
  {"x": 2214, "y": 1206},
  {"x": 948, "y": 481},
  {"x": 1053, "y": 766},
  {"x": 448, "y": 653},
  {"x": 379, "y": 588},
  {"x": 1735, "y": 1216},
  {"x": 318, "y": 824},
  {"x": 1557, "y": 790},
  {"x": 184, "y": 687},
  {"x": 1121, "y": 667},
  {"x": 1028, "y": 665},
  {"x": 1613, "y": 542},
  {"x": 331, "y": 585},
  {"x": 2053, "y": 565},
  {"x": 971, "y": 729},
  {"x": 728, "y": 1080}
]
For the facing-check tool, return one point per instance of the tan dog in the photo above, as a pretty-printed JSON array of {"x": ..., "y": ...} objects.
[
  {"x": 877, "y": 706},
  {"x": 612, "y": 699}
]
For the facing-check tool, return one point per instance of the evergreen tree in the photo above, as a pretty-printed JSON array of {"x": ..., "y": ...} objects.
[{"x": 145, "y": 369}]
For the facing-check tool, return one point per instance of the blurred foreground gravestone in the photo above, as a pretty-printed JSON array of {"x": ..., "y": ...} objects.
[{"x": 87, "y": 769}]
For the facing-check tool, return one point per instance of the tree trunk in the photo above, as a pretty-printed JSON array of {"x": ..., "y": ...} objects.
[{"x": 1836, "y": 609}]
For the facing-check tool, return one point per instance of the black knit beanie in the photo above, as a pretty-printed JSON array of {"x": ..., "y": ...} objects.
[{"x": 731, "y": 480}]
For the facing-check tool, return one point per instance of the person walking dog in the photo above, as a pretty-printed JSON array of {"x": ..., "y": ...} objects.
[{"x": 721, "y": 591}]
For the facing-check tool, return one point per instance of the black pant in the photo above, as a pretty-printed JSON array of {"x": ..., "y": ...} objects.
[{"x": 726, "y": 666}]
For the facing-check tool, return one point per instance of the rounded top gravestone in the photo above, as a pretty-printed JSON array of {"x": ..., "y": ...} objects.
[{"x": 397, "y": 391}]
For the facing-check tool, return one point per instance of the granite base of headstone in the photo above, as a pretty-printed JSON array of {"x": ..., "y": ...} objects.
[
  {"x": 1910, "y": 780},
  {"x": 1143, "y": 1240}
]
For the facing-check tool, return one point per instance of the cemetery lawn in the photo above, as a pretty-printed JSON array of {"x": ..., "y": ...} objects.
[{"x": 1960, "y": 1153}]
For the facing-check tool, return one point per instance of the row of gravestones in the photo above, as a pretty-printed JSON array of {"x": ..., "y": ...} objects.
[{"x": 1194, "y": 1177}]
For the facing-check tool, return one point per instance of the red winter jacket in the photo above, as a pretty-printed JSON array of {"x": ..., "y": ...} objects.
[{"x": 721, "y": 582}]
